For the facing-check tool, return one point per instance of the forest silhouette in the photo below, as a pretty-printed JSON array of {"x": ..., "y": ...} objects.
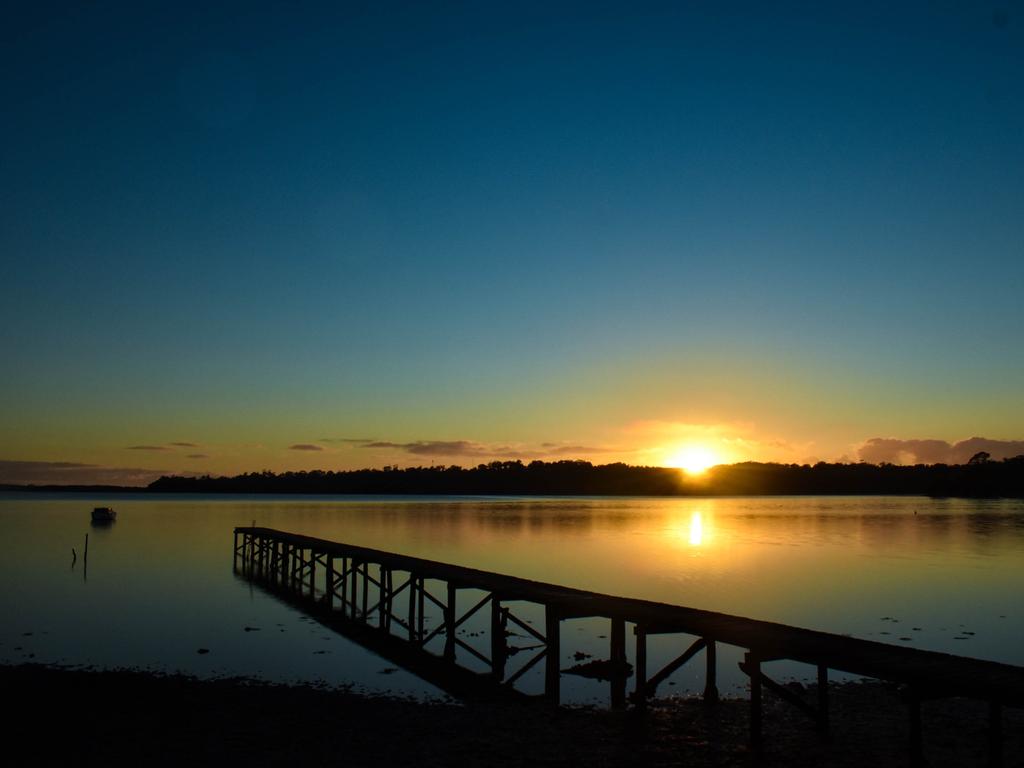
[{"x": 981, "y": 477}]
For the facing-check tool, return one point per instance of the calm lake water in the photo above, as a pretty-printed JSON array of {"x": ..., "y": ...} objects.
[{"x": 943, "y": 575}]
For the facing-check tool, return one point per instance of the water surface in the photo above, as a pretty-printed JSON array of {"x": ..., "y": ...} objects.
[{"x": 937, "y": 574}]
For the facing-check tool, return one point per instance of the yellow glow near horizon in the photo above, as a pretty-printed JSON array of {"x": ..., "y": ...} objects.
[{"x": 694, "y": 459}]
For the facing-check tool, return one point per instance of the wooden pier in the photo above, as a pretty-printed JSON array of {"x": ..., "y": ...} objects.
[{"x": 382, "y": 599}]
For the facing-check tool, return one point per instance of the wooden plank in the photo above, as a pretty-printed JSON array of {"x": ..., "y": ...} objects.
[
  {"x": 782, "y": 692},
  {"x": 651, "y": 686}
]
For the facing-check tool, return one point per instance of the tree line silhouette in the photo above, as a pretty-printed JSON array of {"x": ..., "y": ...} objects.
[{"x": 981, "y": 477}]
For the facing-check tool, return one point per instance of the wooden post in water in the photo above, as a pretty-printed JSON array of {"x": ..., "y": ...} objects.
[
  {"x": 382, "y": 604},
  {"x": 329, "y": 581},
  {"x": 449, "y": 623},
  {"x": 312, "y": 574},
  {"x": 823, "y": 698},
  {"x": 391, "y": 600},
  {"x": 711, "y": 671},
  {"x": 366, "y": 589},
  {"x": 640, "y": 689},
  {"x": 914, "y": 712},
  {"x": 753, "y": 665},
  {"x": 499, "y": 648},
  {"x": 354, "y": 583},
  {"x": 412, "y": 606},
  {"x": 552, "y": 662},
  {"x": 420, "y": 618},
  {"x": 344, "y": 586},
  {"x": 617, "y": 656},
  {"x": 995, "y": 734}
]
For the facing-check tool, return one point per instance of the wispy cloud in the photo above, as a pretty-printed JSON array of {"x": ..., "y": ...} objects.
[
  {"x": 197, "y": 456},
  {"x": 73, "y": 473},
  {"x": 472, "y": 449},
  {"x": 930, "y": 451},
  {"x": 185, "y": 445},
  {"x": 147, "y": 448},
  {"x": 553, "y": 449},
  {"x": 305, "y": 447},
  {"x": 352, "y": 440}
]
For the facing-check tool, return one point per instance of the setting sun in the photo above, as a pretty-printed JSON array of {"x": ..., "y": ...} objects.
[{"x": 693, "y": 459}]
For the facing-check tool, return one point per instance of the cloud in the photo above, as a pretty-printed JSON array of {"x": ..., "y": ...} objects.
[
  {"x": 147, "y": 448},
  {"x": 897, "y": 451},
  {"x": 185, "y": 445},
  {"x": 471, "y": 449},
  {"x": 436, "y": 447},
  {"x": 578, "y": 450},
  {"x": 355, "y": 440},
  {"x": 73, "y": 473},
  {"x": 305, "y": 447},
  {"x": 197, "y": 456}
]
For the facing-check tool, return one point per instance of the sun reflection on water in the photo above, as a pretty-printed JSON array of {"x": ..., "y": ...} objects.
[{"x": 696, "y": 529}]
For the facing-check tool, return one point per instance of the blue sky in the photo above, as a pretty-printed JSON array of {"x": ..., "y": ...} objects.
[{"x": 618, "y": 227}]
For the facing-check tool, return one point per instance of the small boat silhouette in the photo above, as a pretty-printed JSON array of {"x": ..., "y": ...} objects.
[{"x": 103, "y": 515}]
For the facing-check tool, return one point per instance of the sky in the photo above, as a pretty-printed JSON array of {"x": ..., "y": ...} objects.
[{"x": 237, "y": 237}]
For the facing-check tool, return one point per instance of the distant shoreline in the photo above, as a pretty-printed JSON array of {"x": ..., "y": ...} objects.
[{"x": 980, "y": 478}]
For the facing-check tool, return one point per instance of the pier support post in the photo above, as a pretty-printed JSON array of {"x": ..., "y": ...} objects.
[
  {"x": 366, "y": 590},
  {"x": 412, "y": 607},
  {"x": 312, "y": 574},
  {"x": 617, "y": 656},
  {"x": 449, "y": 623},
  {"x": 353, "y": 583},
  {"x": 329, "y": 582},
  {"x": 916, "y": 740},
  {"x": 640, "y": 689},
  {"x": 711, "y": 671},
  {"x": 384, "y": 603},
  {"x": 995, "y": 734},
  {"x": 753, "y": 665},
  {"x": 823, "y": 698},
  {"x": 499, "y": 647},
  {"x": 552, "y": 670},
  {"x": 343, "y": 584},
  {"x": 420, "y": 618}
]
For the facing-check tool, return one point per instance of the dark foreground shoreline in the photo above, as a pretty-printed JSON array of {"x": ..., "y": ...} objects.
[{"x": 121, "y": 718}]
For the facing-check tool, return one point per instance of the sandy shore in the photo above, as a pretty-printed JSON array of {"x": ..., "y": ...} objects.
[{"x": 131, "y": 718}]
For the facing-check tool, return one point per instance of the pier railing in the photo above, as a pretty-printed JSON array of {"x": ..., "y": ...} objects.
[{"x": 368, "y": 592}]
